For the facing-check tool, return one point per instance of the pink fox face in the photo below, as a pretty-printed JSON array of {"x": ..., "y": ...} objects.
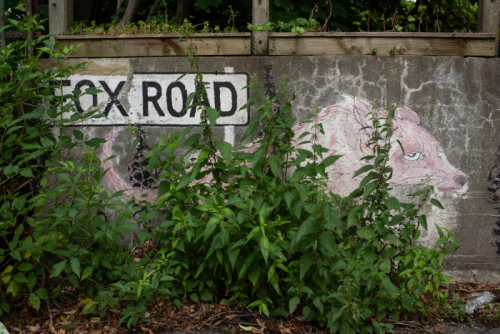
[
  {"x": 422, "y": 156},
  {"x": 344, "y": 136}
]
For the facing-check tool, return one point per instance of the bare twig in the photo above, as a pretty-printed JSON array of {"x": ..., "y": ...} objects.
[
  {"x": 50, "y": 314},
  {"x": 214, "y": 317},
  {"x": 80, "y": 323},
  {"x": 326, "y": 22},
  {"x": 151, "y": 11},
  {"x": 315, "y": 8},
  {"x": 90, "y": 279}
]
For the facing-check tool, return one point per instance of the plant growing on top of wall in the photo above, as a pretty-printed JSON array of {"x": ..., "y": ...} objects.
[{"x": 297, "y": 26}]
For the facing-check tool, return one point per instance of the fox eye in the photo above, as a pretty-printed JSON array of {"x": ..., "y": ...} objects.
[{"x": 413, "y": 156}]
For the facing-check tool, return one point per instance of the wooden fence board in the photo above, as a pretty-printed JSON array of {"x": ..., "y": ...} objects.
[
  {"x": 286, "y": 44},
  {"x": 155, "y": 46},
  {"x": 482, "y": 46}
]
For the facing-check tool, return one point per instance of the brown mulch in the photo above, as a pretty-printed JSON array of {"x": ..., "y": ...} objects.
[{"x": 162, "y": 317}]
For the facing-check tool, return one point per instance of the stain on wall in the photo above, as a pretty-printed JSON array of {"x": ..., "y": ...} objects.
[{"x": 494, "y": 189}]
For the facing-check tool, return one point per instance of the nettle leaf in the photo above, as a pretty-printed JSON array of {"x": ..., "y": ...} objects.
[
  {"x": 78, "y": 134},
  {"x": 27, "y": 173},
  {"x": 388, "y": 286},
  {"x": 366, "y": 232},
  {"x": 327, "y": 241},
  {"x": 392, "y": 203},
  {"x": 305, "y": 262},
  {"x": 408, "y": 303},
  {"x": 392, "y": 238},
  {"x": 436, "y": 203},
  {"x": 396, "y": 220},
  {"x": 319, "y": 304},
  {"x": 264, "y": 247},
  {"x": 332, "y": 217},
  {"x": 370, "y": 187},
  {"x": 305, "y": 228},
  {"x": 206, "y": 295},
  {"x": 422, "y": 220},
  {"x": 289, "y": 198},
  {"x": 192, "y": 139},
  {"x": 363, "y": 169},
  {"x": 233, "y": 253},
  {"x": 330, "y": 160},
  {"x": 275, "y": 164},
  {"x": 95, "y": 142},
  {"x": 353, "y": 216},
  {"x": 46, "y": 142},
  {"x": 64, "y": 177},
  {"x": 293, "y": 304},
  {"x": 254, "y": 275},
  {"x": 306, "y": 312},
  {"x": 385, "y": 265},
  {"x": 213, "y": 115},
  {"x": 143, "y": 236},
  {"x": 226, "y": 150},
  {"x": 247, "y": 263}
]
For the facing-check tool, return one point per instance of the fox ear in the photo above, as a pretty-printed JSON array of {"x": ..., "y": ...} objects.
[
  {"x": 404, "y": 112},
  {"x": 360, "y": 110}
]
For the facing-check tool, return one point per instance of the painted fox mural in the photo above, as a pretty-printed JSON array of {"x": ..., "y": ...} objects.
[{"x": 343, "y": 123}]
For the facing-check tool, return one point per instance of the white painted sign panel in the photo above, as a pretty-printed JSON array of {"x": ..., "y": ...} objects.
[{"x": 159, "y": 98}]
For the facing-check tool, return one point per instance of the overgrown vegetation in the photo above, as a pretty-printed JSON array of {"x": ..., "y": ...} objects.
[
  {"x": 341, "y": 15},
  {"x": 245, "y": 226}
]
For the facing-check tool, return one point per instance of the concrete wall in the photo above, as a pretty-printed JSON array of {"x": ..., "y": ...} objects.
[{"x": 448, "y": 128}]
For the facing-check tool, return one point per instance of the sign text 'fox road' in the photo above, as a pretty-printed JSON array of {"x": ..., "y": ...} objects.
[{"x": 159, "y": 99}]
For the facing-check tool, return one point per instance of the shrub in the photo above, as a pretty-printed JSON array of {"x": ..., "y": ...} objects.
[
  {"x": 261, "y": 228},
  {"x": 250, "y": 226}
]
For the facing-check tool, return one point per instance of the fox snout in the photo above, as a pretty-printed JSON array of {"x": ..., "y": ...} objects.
[{"x": 461, "y": 180}]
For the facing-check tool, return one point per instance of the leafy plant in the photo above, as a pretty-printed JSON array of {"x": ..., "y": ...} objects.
[
  {"x": 257, "y": 225},
  {"x": 40, "y": 243},
  {"x": 297, "y": 26},
  {"x": 253, "y": 226}
]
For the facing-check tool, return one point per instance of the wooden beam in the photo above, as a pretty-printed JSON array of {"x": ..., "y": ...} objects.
[
  {"x": 149, "y": 36},
  {"x": 260, "y": 15},
  {"x": 488, "y": 18},
  {"x": 156, "y": 46},
  {"x": 430, "y": 44},
  {"x": 384, "y": 34},
  {"x": 285, "y": 44}
]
